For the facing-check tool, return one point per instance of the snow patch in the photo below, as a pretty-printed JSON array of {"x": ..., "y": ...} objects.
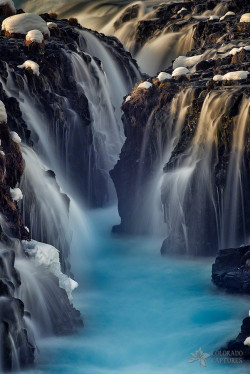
[
  {"x": 247, "y": 341},
  {"x": 183, "y": 61},
  {"x": 15, "y": 137},
  {"x": 213, "y": 18},
  {"x": 48, "y": 256},
  {"x": 182, "y": 10},
  {"x": 34, "y": 36},
  {"x": 10, "y": 3},
  {"x": 3, "y": 114},
  {"x": 127, "y": 99},
  {"x": 30, "y": 65},
  {"x": 180, "y": 71},
  {"x": 51, "y": 25},
  {"x": 217, "y": 78},
  {"x": 16, "y": 194},
  {"x": 232, "y": 76},
  {"x": 2, "y": 153},
  {"x": 23, "y": 23},
  {"x": 228, "y": 14},
  {"x": 26, "y": 228},
  {"x": 163, "y": 76},
  {"x": 236, "y": 50},
  {"x": 235, "y": 75},
  {"x": 245, "y": 17},
  {"x": 145, "y": 85}
]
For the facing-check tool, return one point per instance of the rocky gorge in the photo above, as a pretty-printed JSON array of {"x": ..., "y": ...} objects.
[
  {"x": 180, "y": 168},
  {"x": 30, "y": 212}
]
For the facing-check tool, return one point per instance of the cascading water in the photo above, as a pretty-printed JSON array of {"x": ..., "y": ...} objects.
[
  {"x": 15, "y": 348},
  {"x": 233, "y": 215},
  {"x": 119, "y": 81},
  {"x": 194, "y": 174},
  {"x": 45, "y": 208},
  {"x": 128, "y": 294},
  {"x": 122, "y": 19},
  {"x": 147, "y": 205},
  {"x": 52, "y": 312},
  {"x": 158, "y": 53},
  {"x": 107, "y": 135},
  {"x": 56, "y": 137}
]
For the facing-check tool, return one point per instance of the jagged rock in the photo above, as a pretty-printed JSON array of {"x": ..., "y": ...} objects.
[
  {"x": 148, "y": 112},
  {"x": 230, "y": 270},
  {"x": 129, "y": 14}
]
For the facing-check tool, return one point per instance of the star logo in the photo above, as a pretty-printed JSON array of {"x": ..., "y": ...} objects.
[{"x": 199, "y": 356}]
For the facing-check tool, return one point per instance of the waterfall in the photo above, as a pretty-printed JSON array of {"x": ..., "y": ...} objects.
[
  {"x": 158, "y": 53},
  {"x": 148, "y": 210},
  {"x": 107, "y": 134},
  {"x": 16, "y": 349},
  {"x": 80, "y": 154},
  {"x": 233, "y": 215},
  {"x": 51, "y": 312},
  {"x": 45, "y": 208},
  {"x": 205, "y": 220},
  {"x": 123, "y": 19},
  {"x": 118, "y": 75}
]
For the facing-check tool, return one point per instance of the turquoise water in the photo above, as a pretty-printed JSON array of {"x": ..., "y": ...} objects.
[{"x": 143, "y": 314}]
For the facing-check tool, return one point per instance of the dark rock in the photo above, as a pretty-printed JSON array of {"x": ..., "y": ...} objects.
[{"x": 230, "y": 270}]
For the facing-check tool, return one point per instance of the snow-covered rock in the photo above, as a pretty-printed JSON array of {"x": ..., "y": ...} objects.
[
  {"x": 9, "y": 3},
  {"x": 23, "y": 23},
  {"x": 180, "y": 71},
  {"x": 235, "y": 75},
  {"x": 16, "y": 194},
  {"x": 228, "y": 14},
  {"x": 235, "y": 50},
  {"x": 218, "y": 78},
  {"x": 127, "y": 99},
  {"x": 145, "y": 85},
  {"x": 247, "y": 341},
  {"x": 15, "y": 137},
  {"x": 232, "y": 76},
  {"x": 34, "y": 36},
  {"x": 183, "y": 61},
  {"x": 51, "y": 25},
  {"x": 30, "y": 65},
  {"x": 245, "y": 17},
  {"x": 3, "y": 114},
  {"x": 162, "y": 76},
  {"x": 48, "y": 256},
  {"x": 213, "y": 18},
  {"x": 182, "y": 11}
]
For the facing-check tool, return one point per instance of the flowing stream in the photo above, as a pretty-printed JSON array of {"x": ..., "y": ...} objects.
[{"x": 143, "y": 314}]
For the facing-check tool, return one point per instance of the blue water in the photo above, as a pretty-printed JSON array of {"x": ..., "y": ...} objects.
[{"x": 143, "y": 314}]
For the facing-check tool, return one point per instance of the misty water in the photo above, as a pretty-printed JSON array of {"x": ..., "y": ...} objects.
[{"x": 143, "y": 314}]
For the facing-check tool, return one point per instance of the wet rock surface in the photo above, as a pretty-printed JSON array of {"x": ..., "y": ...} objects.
[
  {"x": 49, "y": 90},
  {"x": 54, "y": 91},
  {"x": 148, "y": 112},
  {"x": 17, "y": 349},
  {"x": 231, "y": 272}
]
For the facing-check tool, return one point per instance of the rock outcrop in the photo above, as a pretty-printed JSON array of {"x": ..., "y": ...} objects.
[
  {"x": 231, "y": 272},
  {"x": 40, "y": 93},
  {"x": 165, "y": 139}
]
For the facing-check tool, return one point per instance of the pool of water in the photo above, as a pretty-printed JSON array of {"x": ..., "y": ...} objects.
[{"x": 143, "y": 314}]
